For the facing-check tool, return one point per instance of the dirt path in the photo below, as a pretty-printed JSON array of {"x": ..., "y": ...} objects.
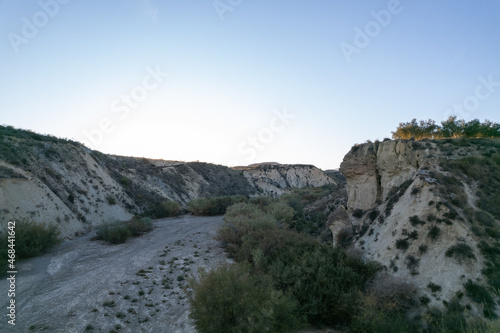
[{"x": 89, "y": 286}]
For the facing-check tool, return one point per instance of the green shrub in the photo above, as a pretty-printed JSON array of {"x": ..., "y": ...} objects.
[
  {"x": 434, "y": 287},
  {"x": 422, "y": 249},
  {"x": 358, "y": 213},
  {"x": 31, "y": 240},
  {"x": 374, "y": 320},
  {"x": 460, "y": 251},
  {"x": 412, "y": 262},
  {"x": 384, "y": 306},
  {"x": 113, "y": 232},
  {"x": 493, "y": 232},
  {"x": 244, "y": 225},
  {"x": 481, "y": 295},
  {"x": 281, "y": 212},
  {"x": 491, "y": 252},
  {"x": 111, "y": 201},
  {"x": 402, "y": 244},
  {"x": 344, "y": 237},
  {"x": 373, "y": 214},
  {"x": 415, "y": 220},
  {"x": 138, "y": 226},
  {"x": 125, "y": 181},
  {"x": 324, "y": 282},
  {"x": 484, "y": 219},
  {"x": 213, "y": 205},
  {"x": 434, "y": 233},
  {"x": 166, "y": 208},
  {"x": 232, "y": 299}
]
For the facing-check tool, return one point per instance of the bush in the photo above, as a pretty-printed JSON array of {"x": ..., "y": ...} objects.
[
  {"x": 125, "y": 181},
  {"x": 384, "y": 307},
  {"x": 166, "y": 208},
  {"x": 402, "y": 244},
  {"x": 232, "y": 299},
  {"x": 434, "y": 287},
  {"x": 281, "y": 212},
  {"x": 344, "y": 237},
  {"x": 213, "y": 205},
  {"x": 434, "y": 233},
  {"x": 370, "y": 318},
  {"x": 32, "y": 239},
  {"x": 373, "y": 214},
  {"x": 415, "y": 220},
  {"x": 111, "y": 201},
  {"x": 113, "y": 232},
  {"x": 138, "y": 226},
  {"x": 481, "y": 295},
  {"x": 324, "y": 282},
  {"x": 460, "y": 251},
  {"x": 358, "y": 213}
]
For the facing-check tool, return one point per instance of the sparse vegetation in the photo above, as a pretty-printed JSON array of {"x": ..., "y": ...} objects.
[
  {"x": 394, "y": 195},
  {"x": 344, "y": 237},
  {"x": 111, "y": 200},
  {"x": 460, "y": 251},
  {"x": 31, "y": 240},
  {"x": 213, "y": 205},
  {"x": 415, "y": 220},
  {"x": 138, "y": 226},
  {"x": 373, "y": 214},
  {"x": 481, "y": 295},
  {"x": 402, "y": 244},
  {"x": 358, "y": 213},
  {"x": 113, "y": 232},
  {"x": 450, "y": 128},
  {"x": 434, "y": 233},
  {"x": 434, "y": 287},
  {"x": 118, "y": 232},
  {"x": 166, "y": 208}
]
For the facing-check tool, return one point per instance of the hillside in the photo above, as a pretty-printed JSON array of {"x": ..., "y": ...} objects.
[
  {"x": 52, "y": 180},
  {"x": 429, "y": 212}
]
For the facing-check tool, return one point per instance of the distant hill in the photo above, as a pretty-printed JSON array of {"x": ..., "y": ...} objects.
[{"x": 54, "y": 180}]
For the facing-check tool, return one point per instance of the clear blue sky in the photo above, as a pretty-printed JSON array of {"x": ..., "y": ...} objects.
[{"x": 237, "y": 81}]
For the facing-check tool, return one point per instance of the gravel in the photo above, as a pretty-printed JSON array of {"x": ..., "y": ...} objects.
[{"x": 139, "y": 286}]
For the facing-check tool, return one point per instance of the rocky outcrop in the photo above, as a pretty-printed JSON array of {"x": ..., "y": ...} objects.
[
  {"x": 340, "y": 226},
  {"x": 374, "y": 169},
  {"x": 409, "y": 210},
  {"x": 275, "y": 179}
]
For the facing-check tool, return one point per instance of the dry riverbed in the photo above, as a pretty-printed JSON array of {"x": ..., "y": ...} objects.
[{"x": 91, "y": 286}]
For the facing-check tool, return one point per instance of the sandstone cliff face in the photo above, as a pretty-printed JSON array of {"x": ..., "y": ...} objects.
[
  {"x": 408, "y": 212},
  {"x": 274, "y": 180},
  {"x": 374, "y": 169}
]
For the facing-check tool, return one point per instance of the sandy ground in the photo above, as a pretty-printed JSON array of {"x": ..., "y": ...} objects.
[{"x": 90, "y": 286}]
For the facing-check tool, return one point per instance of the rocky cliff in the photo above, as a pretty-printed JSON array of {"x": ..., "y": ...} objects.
[
  {"x": 52, "y": 180},
  {"x": 275, "y": 179},
  {"x": 426, "y": 211}
]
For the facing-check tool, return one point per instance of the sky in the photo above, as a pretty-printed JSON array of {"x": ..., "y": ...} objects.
[{"x": 236, "y": 82}]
